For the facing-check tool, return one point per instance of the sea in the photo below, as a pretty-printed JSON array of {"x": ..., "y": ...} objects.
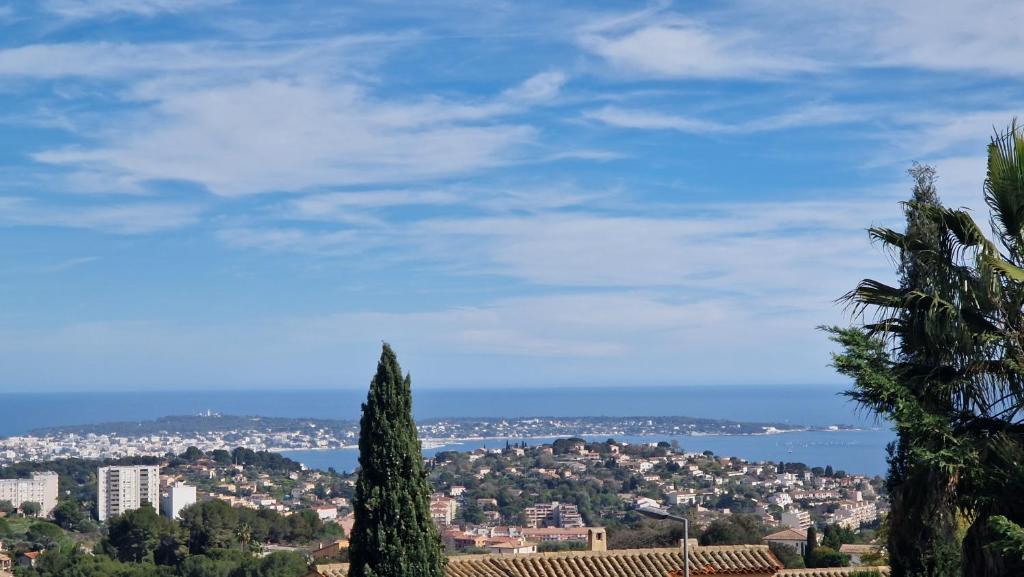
[{"x": 858, "y": 451}]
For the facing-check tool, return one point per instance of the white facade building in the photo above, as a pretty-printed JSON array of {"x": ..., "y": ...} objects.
[
  {"x": 680, "y": 498},
  {"x": 177, "y": 497},
  {"x": 853, "y": 515},
  {"x": 41, "y": 489},
  {"x": 126, "y": 488},
  {"x": 796, "y": 519}
]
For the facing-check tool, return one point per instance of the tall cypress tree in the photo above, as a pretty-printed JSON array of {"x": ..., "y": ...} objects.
[{"x": 393, "y": 535}]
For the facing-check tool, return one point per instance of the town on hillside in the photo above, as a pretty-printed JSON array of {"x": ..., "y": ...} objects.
[{"x": 567, "y": 497}]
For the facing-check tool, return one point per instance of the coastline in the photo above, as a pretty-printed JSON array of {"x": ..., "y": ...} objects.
[
  {"x": 436, "y": 442},
  {"x": 861, "y": 451}
]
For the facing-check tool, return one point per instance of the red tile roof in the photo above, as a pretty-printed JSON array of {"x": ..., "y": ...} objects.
[{"x": 751, "y": 560}]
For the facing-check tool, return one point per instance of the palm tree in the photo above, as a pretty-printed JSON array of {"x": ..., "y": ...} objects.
[
  {"x": 244, "y": 535},
  {"x": 942, "y": 358}
]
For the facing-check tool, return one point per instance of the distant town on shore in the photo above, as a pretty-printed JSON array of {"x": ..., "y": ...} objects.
[{"x": 212, "y": 431}]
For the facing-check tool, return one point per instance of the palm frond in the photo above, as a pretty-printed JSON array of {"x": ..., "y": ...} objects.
[{"x": 1004, "y": 187}]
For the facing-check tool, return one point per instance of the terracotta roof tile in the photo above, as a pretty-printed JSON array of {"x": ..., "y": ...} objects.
[
  {"x": 788, "y": 534},
  {"x": 745, "y": 560},
  {"x": 723, "y": 560}
]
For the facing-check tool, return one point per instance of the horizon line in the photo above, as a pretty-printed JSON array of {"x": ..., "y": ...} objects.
[{"x": 314, "y": 388}]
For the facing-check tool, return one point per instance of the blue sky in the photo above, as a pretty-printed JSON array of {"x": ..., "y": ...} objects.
[{"x": 218, "y": 194}]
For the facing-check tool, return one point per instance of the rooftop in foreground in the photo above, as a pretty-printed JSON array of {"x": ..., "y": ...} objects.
[{"x": 731, "y": 560}]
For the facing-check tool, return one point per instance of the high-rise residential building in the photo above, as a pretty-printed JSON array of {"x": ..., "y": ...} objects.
[
  {"x": 177, "y": 497},
  {"x": 126, "y": 488},
  {"x": 41, "y": 489}
]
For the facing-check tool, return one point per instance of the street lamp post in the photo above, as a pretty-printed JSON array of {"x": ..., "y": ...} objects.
[{"x": 658, "y": 513}]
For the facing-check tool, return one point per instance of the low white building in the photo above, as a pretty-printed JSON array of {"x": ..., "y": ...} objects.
[
  {"x": 177, "y": 497},
  {"x": 326, "y": 513},
  {"x": 790, "y": 538},
  {"x": 511, "y": 546},
  {"x": 679, "y": 498}
]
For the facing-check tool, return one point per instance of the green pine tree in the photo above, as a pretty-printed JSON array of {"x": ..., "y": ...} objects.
[
  {"x": 810, "y": 546},
  {"x": 394, "y": 535}
]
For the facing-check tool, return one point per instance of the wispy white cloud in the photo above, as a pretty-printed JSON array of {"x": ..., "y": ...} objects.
[
  {"x": 135, "y": 218},
  {"x": 664, "y": 45},
  {"x": 587, "y": 154},
  {"x": 764, "y": 251},
  {"x": 136, "y": 62},
  {"x": 295, "y": 240},
  {"x": 965, "y": 35},
  {"x": 928, "y": 133},
  {"x": 275, "y": 135},
  {"x": 85, "y": 9},
  {"x": 763, "y": 39},
  {"x": 338, "y": 205},
  {"x": 717, "y": 248},
  {"x": 653, "y": 120},
  {"x": 539, "y": 88},
  {"x": 810, "y": 115}
]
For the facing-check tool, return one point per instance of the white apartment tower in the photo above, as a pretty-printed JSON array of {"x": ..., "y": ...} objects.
[
  {"x": 41, "y": 488},
  {"x": 177, "y": 497},
  {"x": 127, "y": 488}
]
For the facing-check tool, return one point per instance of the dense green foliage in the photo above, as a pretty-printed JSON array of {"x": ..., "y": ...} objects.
[
  {"x": 70, "y": 561},
  {"x": 942, "y": 360},
  {"x": 141, "y": 543},
  {"x": 136, "y": 536},
  {"x": 216, "y": 525},
  {"x": 733, "y": 530},
  {"x": 823, "y": 556},
  {"x": 835, "y": 536},
  {"x": 394, "y": 535},
  {"x": 788, "y": 555},
  {"x": 70, "y": 516},
  {"x": 645, "y": 534},
  {"x": 555, "y": 546}
]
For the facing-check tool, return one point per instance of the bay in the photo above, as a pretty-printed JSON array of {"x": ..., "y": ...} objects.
[{"x": 854, "y": 451}]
